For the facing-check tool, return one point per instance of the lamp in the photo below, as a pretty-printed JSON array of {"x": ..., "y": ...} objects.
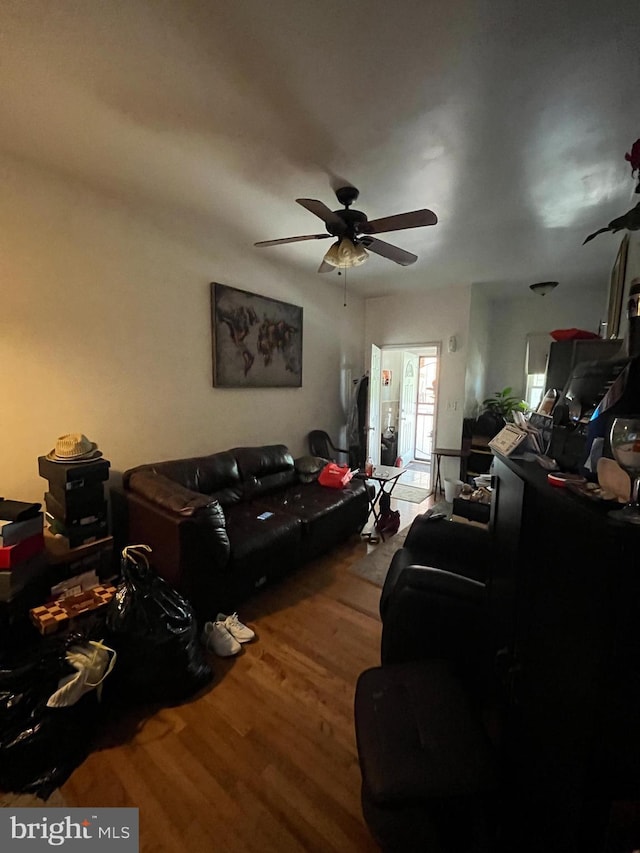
[
  {"x": 346, "y": 254},
  {"x": 543, "y": 287}
]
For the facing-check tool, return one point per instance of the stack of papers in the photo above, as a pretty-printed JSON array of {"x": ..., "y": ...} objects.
[{"x": 483, "y": 480}]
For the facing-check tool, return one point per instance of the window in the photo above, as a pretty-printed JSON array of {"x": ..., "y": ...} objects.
[
  {"x": 535, "y": 389},
  {"x": 536, "y": 355}
]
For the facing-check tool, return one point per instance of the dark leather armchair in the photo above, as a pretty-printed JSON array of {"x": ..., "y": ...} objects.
[
  {"x": 425, "y": 719},
  {"x": 321, "y": 445},
  {"x": 455, "y": 547}
]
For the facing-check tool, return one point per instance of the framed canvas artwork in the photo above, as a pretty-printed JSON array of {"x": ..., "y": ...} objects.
[{"x": 257, "y": 341}]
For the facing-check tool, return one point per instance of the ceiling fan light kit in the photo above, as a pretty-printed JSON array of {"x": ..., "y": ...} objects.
[
  {"x": 345, "y": 254},
  {"x": 353, "y": 230},
  {"x": 541, "y": 288}
]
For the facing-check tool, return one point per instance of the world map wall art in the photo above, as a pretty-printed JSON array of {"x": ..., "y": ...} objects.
[{"x": 257, "y": 341}]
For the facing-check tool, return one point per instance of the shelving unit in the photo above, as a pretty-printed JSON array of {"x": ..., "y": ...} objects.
[{"x": 479, "y": 459}]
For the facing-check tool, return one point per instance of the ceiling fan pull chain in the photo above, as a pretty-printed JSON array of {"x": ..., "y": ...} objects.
[{"x": 345, "y": 289}]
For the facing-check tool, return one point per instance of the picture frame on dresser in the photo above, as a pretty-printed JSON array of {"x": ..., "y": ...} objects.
[{"x": 616, "y": 289}]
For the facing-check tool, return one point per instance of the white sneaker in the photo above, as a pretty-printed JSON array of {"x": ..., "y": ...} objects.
[
  {"x": 235, "y": 627},
  {"x": 216, "y": 637}
]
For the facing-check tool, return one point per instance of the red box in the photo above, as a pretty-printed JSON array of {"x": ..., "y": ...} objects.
[{"x": 11, "y": 555}]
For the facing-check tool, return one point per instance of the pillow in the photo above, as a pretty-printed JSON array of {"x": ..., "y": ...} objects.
[{"x": 308, "y": 467}]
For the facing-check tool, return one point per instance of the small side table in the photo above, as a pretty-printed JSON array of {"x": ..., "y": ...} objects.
[
  {"x": 384, "y": 476},
  {"x": 439, "y": 452}
]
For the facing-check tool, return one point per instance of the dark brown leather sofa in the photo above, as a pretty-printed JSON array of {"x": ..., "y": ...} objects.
[{"x": 201, "y": 518}]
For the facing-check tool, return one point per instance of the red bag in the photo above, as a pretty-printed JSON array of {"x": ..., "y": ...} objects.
[{"x": 335, "y": 476}]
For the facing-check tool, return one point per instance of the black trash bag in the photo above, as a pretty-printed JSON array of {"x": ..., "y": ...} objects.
[
  {"x": 40, "y": 747},
  {"x": 154, "y": 632}
]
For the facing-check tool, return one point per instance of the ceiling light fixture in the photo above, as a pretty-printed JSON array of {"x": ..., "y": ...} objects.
[
  {"x": 543, "y": 287},
  {"x": 345, "y": 254}
]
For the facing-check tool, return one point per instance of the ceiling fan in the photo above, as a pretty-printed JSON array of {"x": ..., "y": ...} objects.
[{"x": 353, "y": 231}]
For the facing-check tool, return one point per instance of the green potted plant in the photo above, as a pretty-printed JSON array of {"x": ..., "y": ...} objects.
[
  {"x": 504, "y": 404},
  {"x": 499, "y": 409}
]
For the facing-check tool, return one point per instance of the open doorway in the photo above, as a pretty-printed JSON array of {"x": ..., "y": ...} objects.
[{"x": 408, "y": 403}]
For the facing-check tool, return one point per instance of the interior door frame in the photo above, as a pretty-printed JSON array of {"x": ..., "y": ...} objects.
[
  {"x": 432, "y": 345},
  {"x": 374, "y": 412}
]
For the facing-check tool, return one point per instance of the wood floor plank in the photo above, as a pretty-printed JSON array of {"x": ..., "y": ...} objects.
[{"x": 265, "y": 760}]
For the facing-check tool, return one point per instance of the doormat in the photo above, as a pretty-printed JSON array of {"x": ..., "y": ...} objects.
[
  {"x": 413, "y": 494},
  {"x": 374, "y": 566}
]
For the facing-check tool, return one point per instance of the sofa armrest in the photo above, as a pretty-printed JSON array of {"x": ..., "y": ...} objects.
[
  {"x": 185, "y": 530},
  {"x": 168, "y": 494},
  {"x": 432, "y": 613}
]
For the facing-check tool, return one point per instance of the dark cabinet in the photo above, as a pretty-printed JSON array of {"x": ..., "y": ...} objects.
[{"x": 568, "y": 588}]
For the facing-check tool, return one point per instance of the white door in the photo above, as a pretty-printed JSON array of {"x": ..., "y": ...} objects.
[
  {"x": 408, "y": 407},
  {"x": 374, "y": 437}
]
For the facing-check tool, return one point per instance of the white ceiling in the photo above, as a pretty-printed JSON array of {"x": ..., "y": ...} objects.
[{"x": 509, "y": 119}]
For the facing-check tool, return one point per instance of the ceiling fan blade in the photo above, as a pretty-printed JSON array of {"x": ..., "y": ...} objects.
[
  {"x": 386, "y": 250},
  {"x": 320, "y": 209},
  {"x": 325, "y": 267},
  {"x": 292, "y": 239},
  {"x": 414, "y": 219}
]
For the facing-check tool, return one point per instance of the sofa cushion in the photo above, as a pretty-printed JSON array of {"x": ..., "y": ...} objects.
[
  {"x": 250, "y": 536},
  {"x": 328, "y": 516},
  {"x": 264, "y": 469},
  {"x": 311, "y": 501}
]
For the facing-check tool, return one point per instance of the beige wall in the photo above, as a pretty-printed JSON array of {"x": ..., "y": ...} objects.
[
  {"x": 105, "y": 329},
  {"x": 479, "y": 347},
  {"x": 512, "y": 319},
  {"x": 429, "y": 317}
]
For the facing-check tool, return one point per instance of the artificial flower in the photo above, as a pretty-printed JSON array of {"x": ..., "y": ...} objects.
[
  {"x": 629, "y": 221},
  {"x": 633, "y": 157}
]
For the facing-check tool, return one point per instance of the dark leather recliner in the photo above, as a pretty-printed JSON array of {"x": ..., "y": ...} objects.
[
  {"x": 455, "y": 547},
  {"x": 426, "y": 719}
]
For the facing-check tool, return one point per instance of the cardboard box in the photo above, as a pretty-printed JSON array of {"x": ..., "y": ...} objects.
[
  {"x": 80, "y": 514},
  {"x": 12, "y": 555},
  {"x": 90, "y": 496},
  {"x": 74, "y": 475},
  {"x": 13, "y": 581}
]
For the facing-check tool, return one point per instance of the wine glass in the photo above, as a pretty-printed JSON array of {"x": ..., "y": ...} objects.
[{"x": 625, "y": 446}]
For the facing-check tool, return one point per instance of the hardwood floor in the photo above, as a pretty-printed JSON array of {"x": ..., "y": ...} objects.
[{"x": 265, "y": 759}]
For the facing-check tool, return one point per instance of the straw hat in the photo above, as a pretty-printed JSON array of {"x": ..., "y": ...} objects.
[{"x": 74, "y": 447}]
